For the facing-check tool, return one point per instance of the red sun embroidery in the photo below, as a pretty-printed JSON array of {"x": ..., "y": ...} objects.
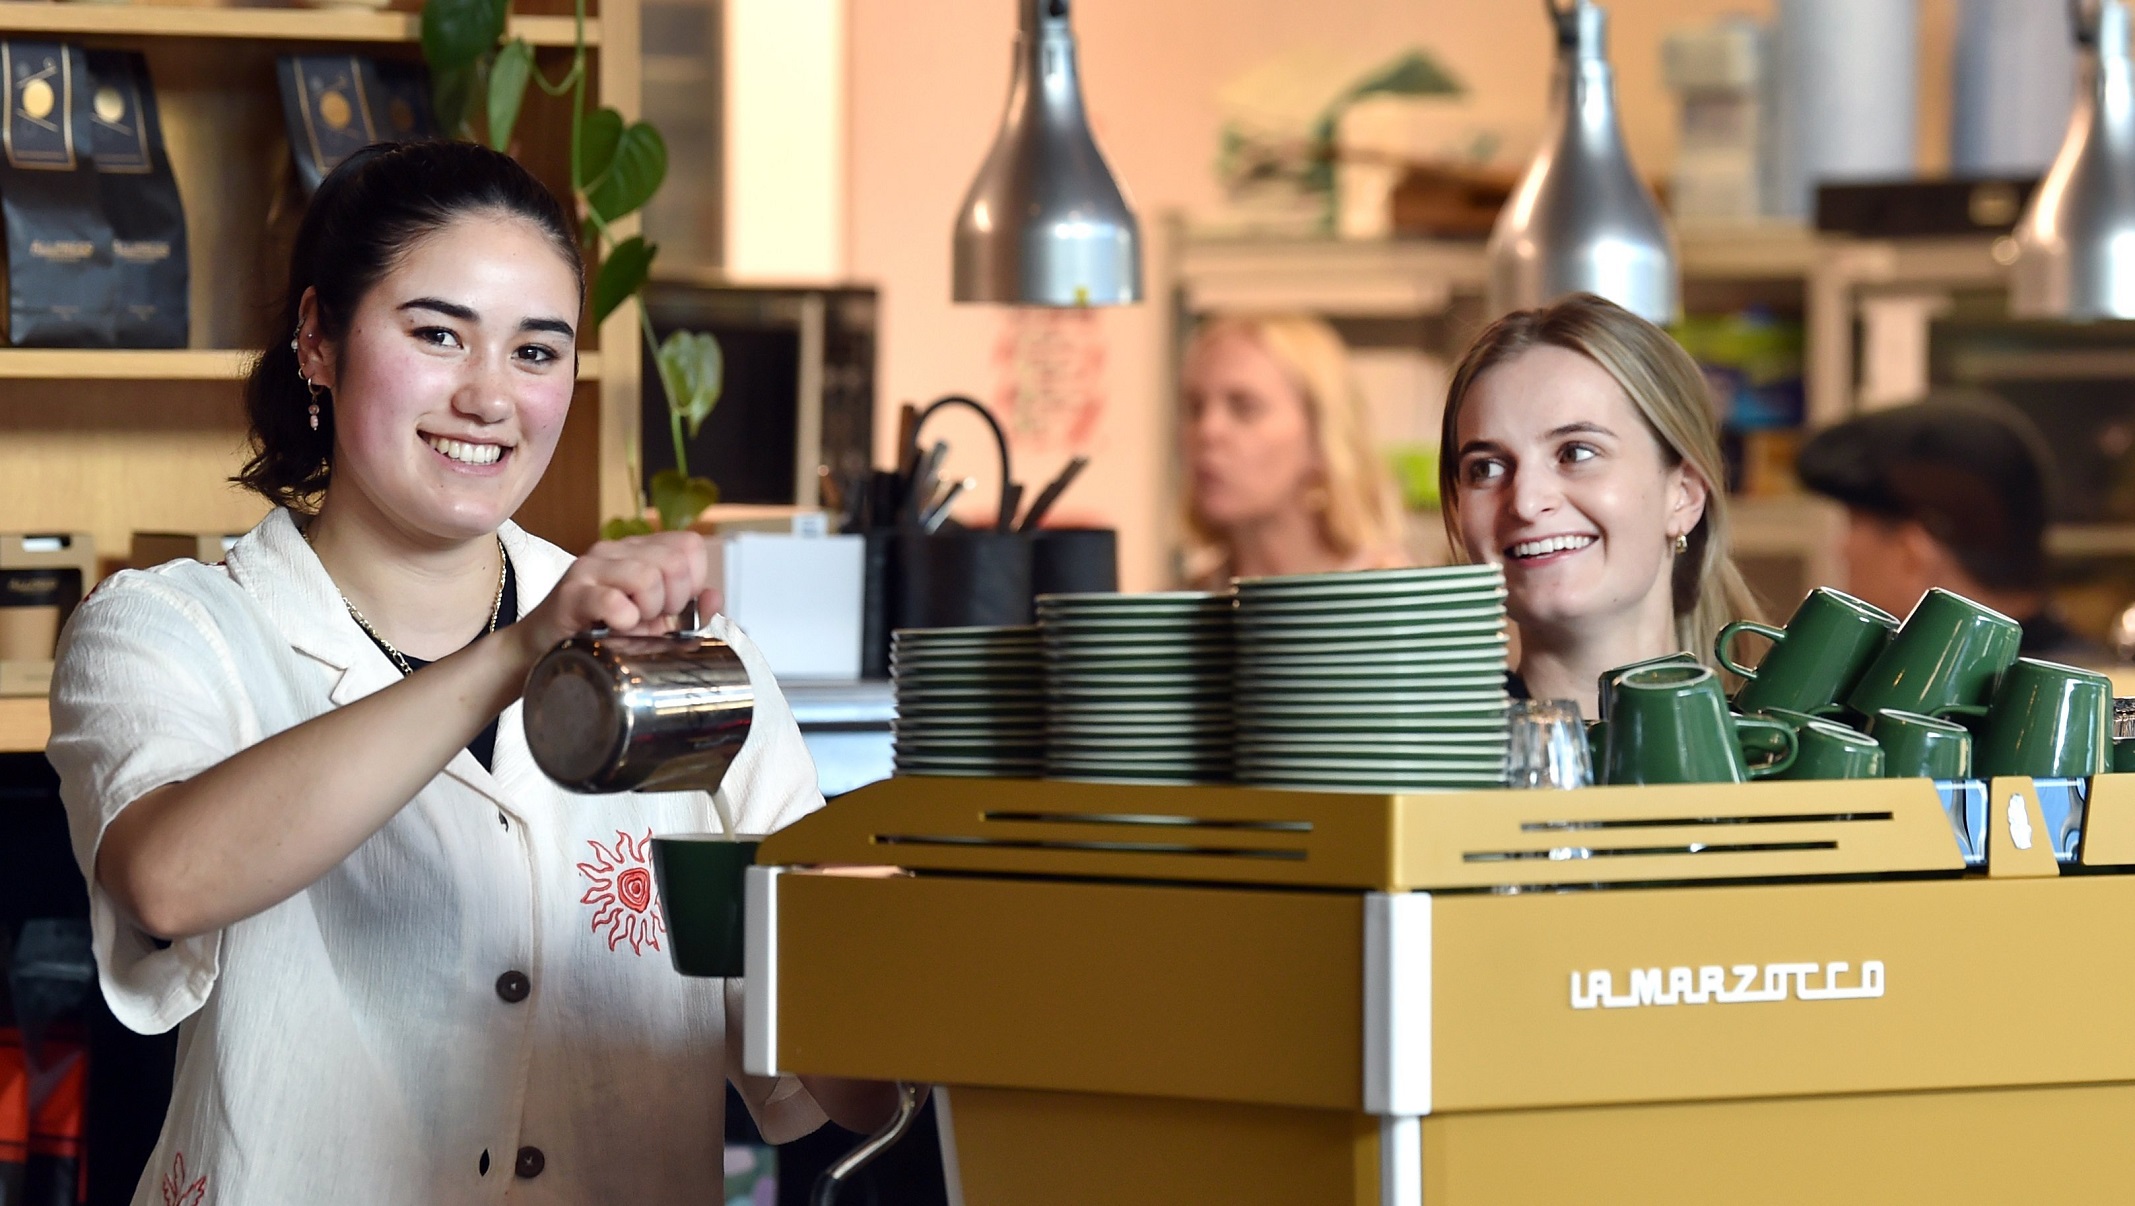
[
  {"x": 622, "y": 890},
  {"x": 177, "y": 1191}
]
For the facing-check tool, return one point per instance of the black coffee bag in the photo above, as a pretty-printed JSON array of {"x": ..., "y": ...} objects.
[
  {"x": 401, "y": 104},
  {"x": 336, "y": 104},
  {"x": 59, "y": 272},
  {"x": 327, "y": 105},
  {"x": 140, "y": 198}
]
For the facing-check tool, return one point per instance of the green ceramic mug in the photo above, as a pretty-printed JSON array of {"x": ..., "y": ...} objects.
[
  {"x": 1815, "y": 660},
  {"x": 2048, "y": 721},
  {"x": 1609, "y": 676},
  {"x": 1670, "y": 724},
  {"x": 2123, "y": 755},
  {"x": 1921, "y": 747},
  {"x": 1827, "y": 749},
  {"x": 700, "y": 878},
  {"x": 1944, "y": 659}
]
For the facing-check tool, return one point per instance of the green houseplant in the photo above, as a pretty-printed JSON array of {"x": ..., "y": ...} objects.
[{"x": 480, "y": 79}]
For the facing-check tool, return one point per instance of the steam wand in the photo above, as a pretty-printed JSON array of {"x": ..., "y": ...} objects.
[{"x": 834, "y": 1177}]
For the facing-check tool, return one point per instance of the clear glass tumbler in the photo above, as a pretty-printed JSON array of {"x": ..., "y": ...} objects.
[{"x": 1548, "y": 745}]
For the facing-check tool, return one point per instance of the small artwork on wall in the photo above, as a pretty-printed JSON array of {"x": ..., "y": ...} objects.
[{"x": 1049, "y": 374}]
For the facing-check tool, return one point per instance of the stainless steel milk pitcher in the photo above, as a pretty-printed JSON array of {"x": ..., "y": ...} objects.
[{"x": 608, "y": 713}]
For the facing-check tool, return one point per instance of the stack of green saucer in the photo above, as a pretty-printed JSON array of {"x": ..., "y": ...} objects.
[
  {"x": 970, "y": 701},
  {"x": 1379, "y": 680},
  {"x": 1138, "y": 686}
]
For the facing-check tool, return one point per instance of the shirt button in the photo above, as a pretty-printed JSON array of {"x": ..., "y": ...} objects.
[
  {"x": 513, "y": 986},
  {"x": 530, "y": 1162}
]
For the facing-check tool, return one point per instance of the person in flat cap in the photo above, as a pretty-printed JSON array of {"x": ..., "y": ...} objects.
[{"x": 1952, "y": 491}]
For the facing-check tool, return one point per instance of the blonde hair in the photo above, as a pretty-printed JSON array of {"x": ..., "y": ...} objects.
[
  {"x": 1363, "y": 509},
  {"x": 1663, "y": 382}
]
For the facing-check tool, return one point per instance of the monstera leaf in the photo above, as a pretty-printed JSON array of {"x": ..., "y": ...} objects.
[
  {"x": 457, "y": 32},
  {"x": 622, "y": 274},
  {"x": 616, "y": 529},
  {"x": 693, "y": 372},
  {"x": 681, "y": 499},
  {"x": 623, "y": 163},
  {"x": 507, "y": 90}
]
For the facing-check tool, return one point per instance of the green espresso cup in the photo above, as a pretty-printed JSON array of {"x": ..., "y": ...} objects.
[
  {"x": 1921, "y": 747},
  {"x": 1827, "y": 749},
  {"x": 1608, "y": 677},
  {"x": 1815, "y": 660},
  {"x": 2048, "y": 721},
  {"x": 2123, "y": 755},
  {"x": 1944, "y": 659},
  {"x": 1670, "y": 724},
  {"x": 700, "y": 878}
]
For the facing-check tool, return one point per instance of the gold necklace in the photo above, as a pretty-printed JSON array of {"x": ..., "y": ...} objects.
[{"x": 496, "y": 608}]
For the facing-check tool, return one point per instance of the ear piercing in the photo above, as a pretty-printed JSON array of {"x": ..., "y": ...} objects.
[{"x": 316, "y": 391}]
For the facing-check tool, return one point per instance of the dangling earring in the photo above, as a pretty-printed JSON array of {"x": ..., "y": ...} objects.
[
  {"x": 316, "y": 392},
  {"x": 1682, "y": 539},
  {"x": 313, "y": 409}
]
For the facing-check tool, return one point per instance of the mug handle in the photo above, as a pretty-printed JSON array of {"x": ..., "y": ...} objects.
[
  {"x": 1725, "y": 641},
  {"x": 1786, "y": 734}
]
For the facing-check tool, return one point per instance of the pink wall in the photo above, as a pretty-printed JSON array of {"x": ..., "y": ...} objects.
[{"x": 928, "y": 79}]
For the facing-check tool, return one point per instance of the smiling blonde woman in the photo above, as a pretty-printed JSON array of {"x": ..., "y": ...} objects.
[{"x": 1582, "y": 455}]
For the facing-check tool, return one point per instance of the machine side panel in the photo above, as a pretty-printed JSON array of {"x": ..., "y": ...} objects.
[
  {"x": 1562, "y": 999},
  {"x": 1214, "y": 993},
  {"x": 1971, "y": 1148},
  {"x": 1074, "y": 1149}
]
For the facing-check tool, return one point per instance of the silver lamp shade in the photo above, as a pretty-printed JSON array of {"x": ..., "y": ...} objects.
[
  {"x": 1045, "y": 224},
  {"x": 2075, "y": 244},
  {"x": 1580, "y": 219}
]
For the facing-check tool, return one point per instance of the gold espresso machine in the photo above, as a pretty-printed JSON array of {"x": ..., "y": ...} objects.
[{"x": 1774, "y": 992}]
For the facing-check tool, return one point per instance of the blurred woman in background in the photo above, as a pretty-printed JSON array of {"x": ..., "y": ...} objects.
[
  {"x": 1283, "y": 476},
  {"x": 1580, "y": 452}
]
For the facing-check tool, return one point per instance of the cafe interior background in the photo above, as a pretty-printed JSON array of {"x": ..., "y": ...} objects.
[{"x": 818, "y": 153}]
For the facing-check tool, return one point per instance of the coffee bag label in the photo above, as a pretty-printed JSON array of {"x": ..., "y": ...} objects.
[
  {"x": 40, "y": 105},
  {"x": 400, "y": 94},
  {"x": 331, "y": 115},
  {"x": 115, "y": 110}
]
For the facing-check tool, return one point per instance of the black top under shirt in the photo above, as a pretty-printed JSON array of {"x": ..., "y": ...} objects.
[{"x": 484, "y": 745}]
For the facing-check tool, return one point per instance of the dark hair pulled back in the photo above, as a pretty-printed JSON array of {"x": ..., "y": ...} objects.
[{"x": 371, "y": 210}]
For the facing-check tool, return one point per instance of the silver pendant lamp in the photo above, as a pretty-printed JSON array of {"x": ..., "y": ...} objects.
[
  {"x": 1580, "y": 219},
  {"x": 1045, "y": 224},
  {"x": 2075, "y": 244}
]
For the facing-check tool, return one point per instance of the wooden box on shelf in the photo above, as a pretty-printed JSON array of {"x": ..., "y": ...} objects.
[
  {"x": 42, "y": 578},
  {"x": 151, "y": 549}
]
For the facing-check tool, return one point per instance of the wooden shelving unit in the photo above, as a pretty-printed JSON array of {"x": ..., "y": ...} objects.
[
  {"x": 129, "y": 21},
  {"x": 111, "y": 442}
]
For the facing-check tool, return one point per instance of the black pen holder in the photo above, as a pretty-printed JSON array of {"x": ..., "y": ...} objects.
[
  {"x": 1073, "y": 561},
  {"x": 970, "y": 578},
  {"x": 961, "y": 579}
]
